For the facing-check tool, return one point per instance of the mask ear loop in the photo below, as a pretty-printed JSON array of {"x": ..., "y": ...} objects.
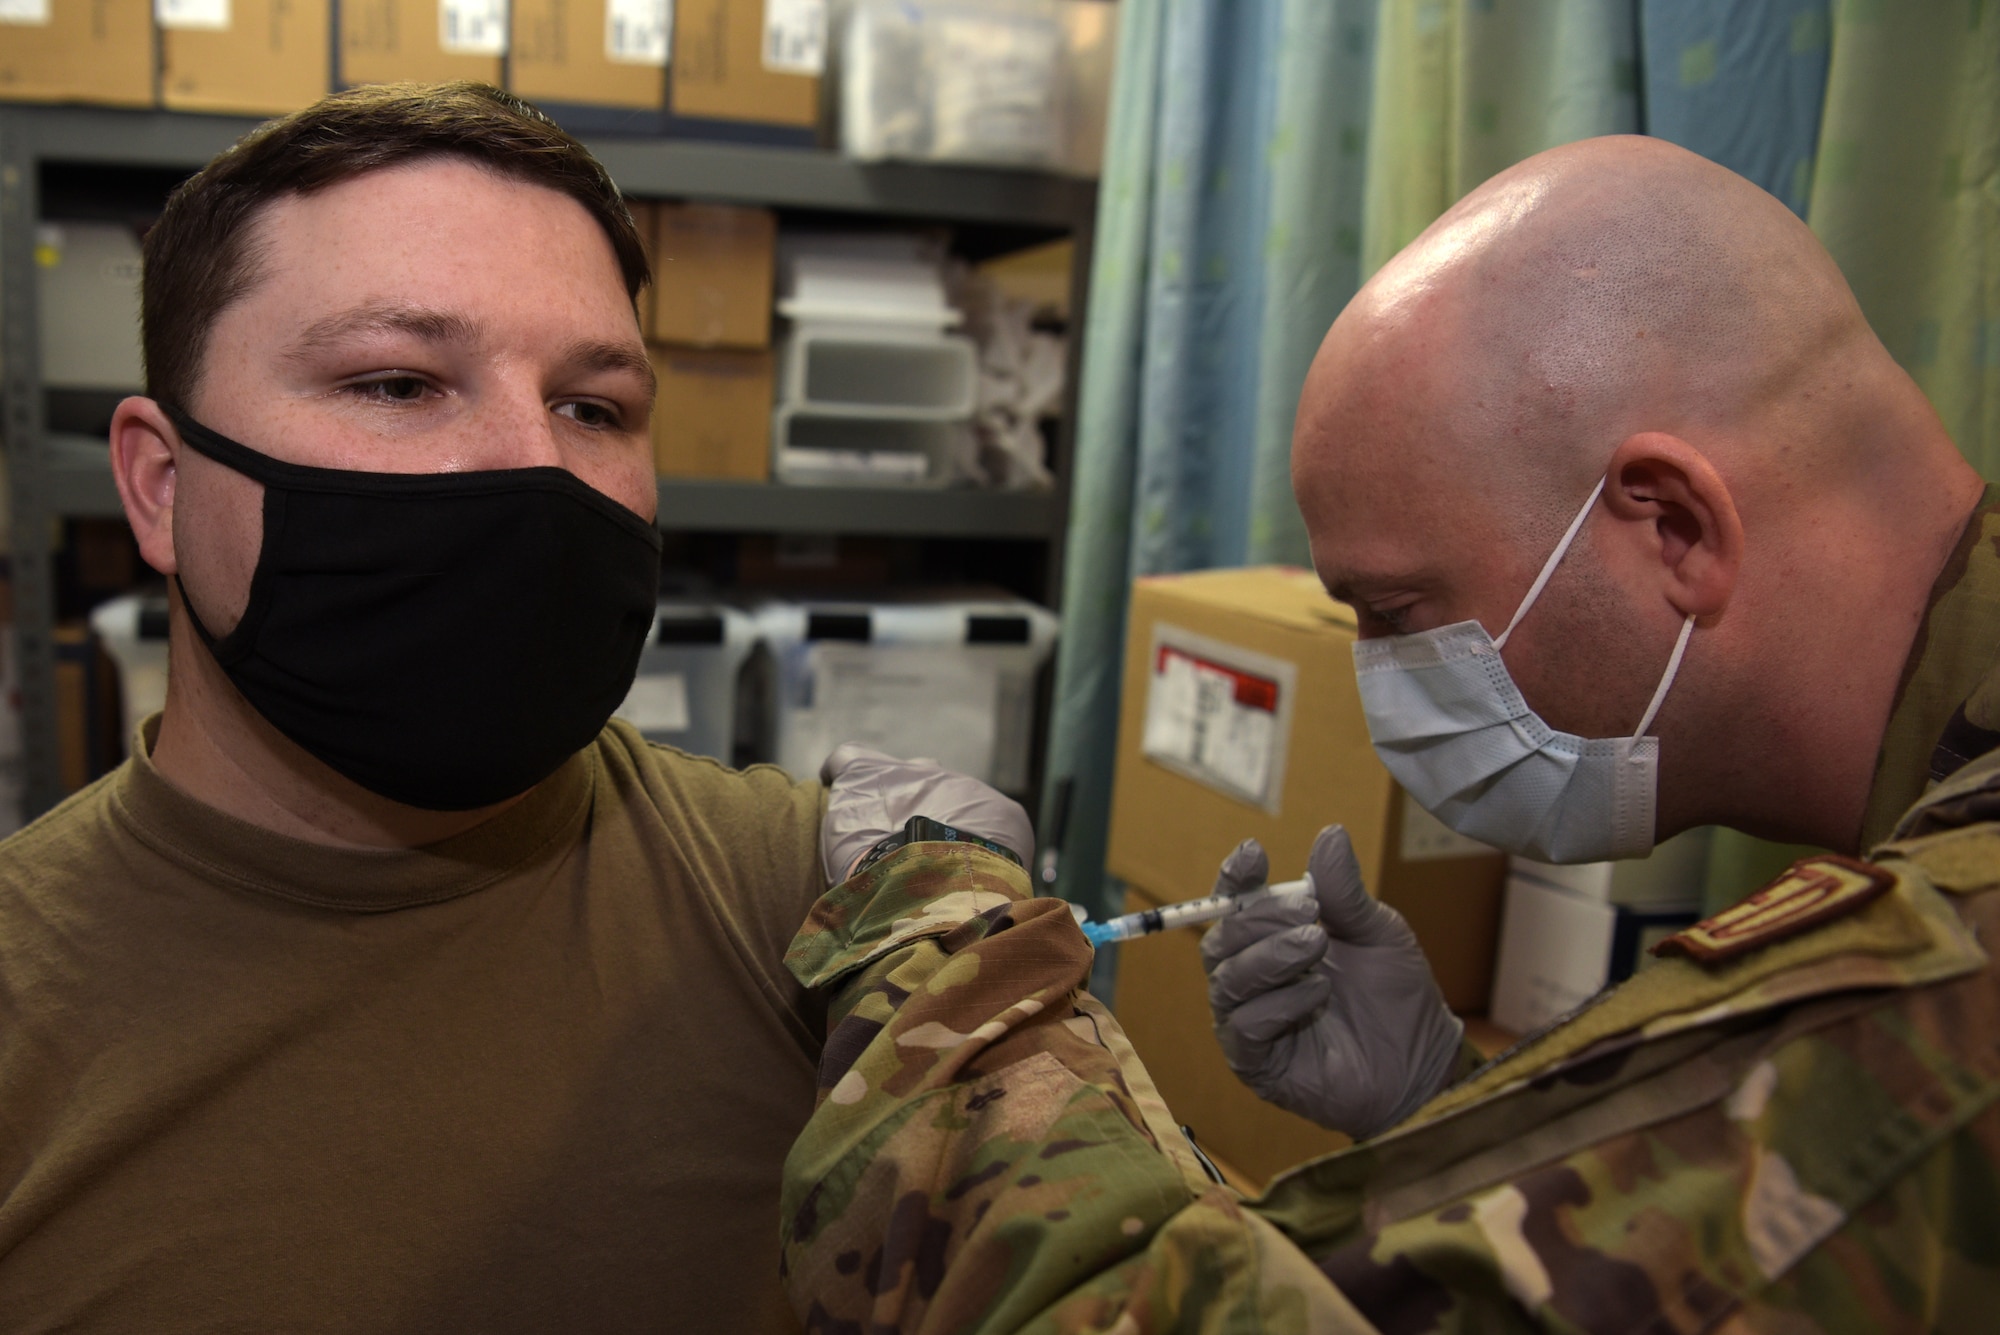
[
  {"x": 1673, "y": 667},
  {"x": 1549, "y": 566}
]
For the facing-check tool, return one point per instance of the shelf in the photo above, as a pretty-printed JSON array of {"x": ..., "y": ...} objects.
[
  {"x": 678, "y": 168},
  {"x": 79, "y": 486},
  {"x": 910, "y": 512}
]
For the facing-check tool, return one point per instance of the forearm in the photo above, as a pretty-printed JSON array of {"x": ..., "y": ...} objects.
[{"x": 987, "y": 1154}]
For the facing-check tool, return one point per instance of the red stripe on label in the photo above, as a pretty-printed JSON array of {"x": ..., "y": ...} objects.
[{"x": 1251, "y": 691}]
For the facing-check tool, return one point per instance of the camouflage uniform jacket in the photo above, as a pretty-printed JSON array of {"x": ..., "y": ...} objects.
[{"x": 1802, "y": 1137}]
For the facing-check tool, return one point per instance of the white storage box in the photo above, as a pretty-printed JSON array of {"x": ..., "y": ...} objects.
[
  {"x": 89, "y": 304},
  {"x": 133, "y": 630},
  {"x": 685, "y": 693},
  {"x": 878, "y": 371},
  {"x": 954, "y": 682},
  {"x": 814, "y": 448},
  {"x": 1568, "y": 932}
]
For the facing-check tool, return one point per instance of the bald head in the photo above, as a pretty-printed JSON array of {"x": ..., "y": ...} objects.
[
  {"x": 1621, "y": 309},
  {"x": 1602, "y": 288}
]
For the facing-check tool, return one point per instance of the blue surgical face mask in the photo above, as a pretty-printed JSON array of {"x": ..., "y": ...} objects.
[{"x": 1448, "y": 721}]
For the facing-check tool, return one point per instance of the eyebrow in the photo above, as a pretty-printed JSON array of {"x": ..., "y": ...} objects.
[
  {"x": 432, "y": 326},
  {"x": 591, "y": 355}
]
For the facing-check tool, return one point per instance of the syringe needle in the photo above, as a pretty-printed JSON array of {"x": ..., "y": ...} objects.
[{"x": 1187, "y": 913}]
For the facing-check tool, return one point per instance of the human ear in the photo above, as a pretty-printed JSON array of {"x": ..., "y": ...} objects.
[
  {"x": 144, "y": 446},
  {"x": 1687, "y": 514}
]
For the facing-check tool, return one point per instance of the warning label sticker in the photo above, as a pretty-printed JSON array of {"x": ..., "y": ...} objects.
[{"x": 1219, "y": 714}]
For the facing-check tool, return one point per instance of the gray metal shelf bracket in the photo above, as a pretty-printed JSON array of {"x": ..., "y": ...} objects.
[{"x": 32, "y": 562}]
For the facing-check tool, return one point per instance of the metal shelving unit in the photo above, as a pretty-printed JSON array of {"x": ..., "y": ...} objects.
[{"x": 52, "y": 478}]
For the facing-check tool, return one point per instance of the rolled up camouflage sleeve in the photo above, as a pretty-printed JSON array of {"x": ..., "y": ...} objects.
[{"x": 987, "y": 1153}]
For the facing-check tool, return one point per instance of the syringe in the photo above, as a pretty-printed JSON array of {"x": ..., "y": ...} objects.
[{"x": 1188, "y": 913}]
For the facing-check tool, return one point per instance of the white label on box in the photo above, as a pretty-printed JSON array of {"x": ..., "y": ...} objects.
[
  {"x": 1428, "y": 839},
  {"x": 209, "y": 14},
  {"x": 31, "y": 12},
  {"x": 795, "y": 36},
  {"x": 657, "y": 702},
  {"x": 1219, "y": 714},
  {"x": 473, "y": 27},
  {"x": 638, "y": 32}
]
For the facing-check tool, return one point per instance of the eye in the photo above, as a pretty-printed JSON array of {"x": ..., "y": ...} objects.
[
  {"x": 600, "y": 416},
  {"x": 391, "y": 388}
]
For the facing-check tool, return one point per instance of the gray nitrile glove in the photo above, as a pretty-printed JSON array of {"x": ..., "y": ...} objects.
[
  {"x": 1326, "y": 1006},
  {"x": 870, "y": 795}
]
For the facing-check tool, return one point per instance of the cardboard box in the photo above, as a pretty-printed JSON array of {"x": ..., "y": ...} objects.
[
  {"x": 421, "y": 41},
  {"x": 1241, "y": 719},
  {"x": 713, "y": 267},
  {"x": 645, "y": 221},
  {"x": 607, "y": 53},
  {"x": 248, "y": 57},
  {"x": 1162, "y": 1002},
  {"x": 723, "y": 71},
  {"x": 78, "y": 51},
  {"x": 713, "y": 414}
]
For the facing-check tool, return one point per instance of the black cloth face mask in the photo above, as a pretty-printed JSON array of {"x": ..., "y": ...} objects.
[{"x": 445, "y": 640}]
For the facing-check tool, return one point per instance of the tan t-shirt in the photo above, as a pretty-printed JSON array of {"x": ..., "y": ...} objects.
[{"x": 538, "y": 1077}]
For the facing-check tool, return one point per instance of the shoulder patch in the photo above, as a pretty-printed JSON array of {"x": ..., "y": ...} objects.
[{"x": 1810, "y": 892}]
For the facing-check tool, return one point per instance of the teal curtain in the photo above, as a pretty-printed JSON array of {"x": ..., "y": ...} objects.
[
  {"x": 1265, "y": 155},
  {"x": 1228, "y": 237}
]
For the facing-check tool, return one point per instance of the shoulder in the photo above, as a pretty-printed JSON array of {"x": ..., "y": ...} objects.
[
  {"x": 73, "y": 837},
  {"x": 702, "y": 786}
]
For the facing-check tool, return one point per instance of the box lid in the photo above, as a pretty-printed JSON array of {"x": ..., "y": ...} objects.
[{"x": 1284, "y": 595}]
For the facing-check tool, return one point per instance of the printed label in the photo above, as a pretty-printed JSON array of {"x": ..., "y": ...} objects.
[
  {"x": 1219, "y": 714},
  {"x": 34, "y": 13},
  {"x": 638, "y": 32},
  {"x": 795, "y": 36},
  {"x": 473, "y": 27},
  {"x": 208, "y": 14},
  {"x": 1428, "y": 839},
  {"x": 657, "y": 702}
]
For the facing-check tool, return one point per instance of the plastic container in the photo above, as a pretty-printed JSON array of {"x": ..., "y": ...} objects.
[
  {"x": 956, "y": 80},
  {"x": 685, "y": 693},
  {"x": 881, "y": 372},
  {"x": 812, "y": 448},
  {"x": 133, "y": 630},
  {"x": 951, "y": 681}
]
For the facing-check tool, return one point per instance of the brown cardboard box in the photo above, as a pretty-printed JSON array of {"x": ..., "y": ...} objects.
[
  {"x": 713, "y": 414},
  {"x": 87, "y": 51},
  {"x": 1163, "y": 1005},
  {"x": 267, "y": 58},
  {"x": 645, "y": 221},
  {"x": 1169, "y": 831},
  {"x": 712, "y": 275},
  {"x": 1263, "y": 659},
  {"x": 719, "y": 68},
  {"x": 559, "y": 52},
  {"x": 420, "y": 41}
]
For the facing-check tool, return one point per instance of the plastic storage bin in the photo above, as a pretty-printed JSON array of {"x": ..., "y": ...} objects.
[
  {"x": 134, "y": 632},
  {"x": 951, "y": 681},
  {"x": 813, "y": 448},
  {"x": 879, "y": 372},
  {"x": 685, "y": 693}
]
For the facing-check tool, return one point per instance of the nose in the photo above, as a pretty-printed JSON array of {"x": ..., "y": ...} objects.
[{"x": 513, "y": 429}]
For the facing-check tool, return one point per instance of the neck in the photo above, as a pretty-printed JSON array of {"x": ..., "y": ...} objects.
[
  {"x": 1821, "y": 666},
  {"x": 216, "y": 748}
]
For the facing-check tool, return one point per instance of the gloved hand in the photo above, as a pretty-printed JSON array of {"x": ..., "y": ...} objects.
[
  {"x": 870, "y": 795},
  {"x": 1326, "y": 1005}
]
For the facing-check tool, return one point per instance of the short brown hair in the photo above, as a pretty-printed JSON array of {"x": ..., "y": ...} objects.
[{"x": 199, "y": 257}]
